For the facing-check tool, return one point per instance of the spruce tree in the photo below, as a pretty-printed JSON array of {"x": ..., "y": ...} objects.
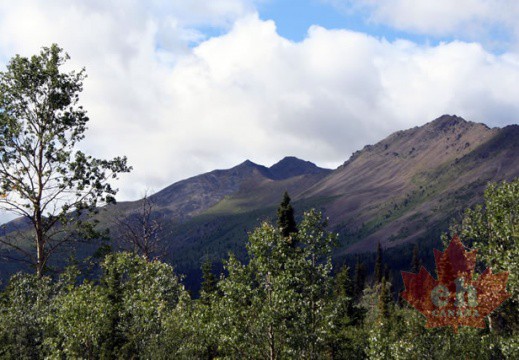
[
  {"x": 286, "y": 221},
  {"x": 359, "y": 279},
  {"x": 384, "y": 301},
  {"x": 343, "y": 285},
  {"x": 415, "y": 262},
  {"x": 378, "y": 265},
  {"x": 209, "y": 280}
]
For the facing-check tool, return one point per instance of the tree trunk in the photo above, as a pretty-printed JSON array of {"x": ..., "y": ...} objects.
[
  {"x": 272, "y": 347},
  {"x": 40, "y": 252},
  {"x": 40, "y": 243}
]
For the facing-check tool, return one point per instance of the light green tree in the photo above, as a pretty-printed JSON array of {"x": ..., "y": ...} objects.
[
  {"x": 24, "y": 305},
  {"x": 275, "y": 306},
  {"x": 43, "y": 175},
  {"x": 140, "y": 294},
  {"x": 78, "y": 325},
  {"x": 492, "y": 228}
]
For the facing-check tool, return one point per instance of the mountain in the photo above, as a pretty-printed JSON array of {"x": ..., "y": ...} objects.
[
  {"x": 415, "y": 180},
  {"x": 402, "y": 190},
  {"x": 197, "y": 195},
  {"x": 190, "y": 197},
  {"x": 291, "y": 166}
]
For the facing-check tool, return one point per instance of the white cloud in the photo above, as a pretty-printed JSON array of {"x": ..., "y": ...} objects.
[
  {"x": 492, "y": 21},
  {"x": 177, "y": 111}
]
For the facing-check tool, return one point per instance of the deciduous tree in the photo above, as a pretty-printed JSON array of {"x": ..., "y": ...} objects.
[{"x": 43, "y": 175}]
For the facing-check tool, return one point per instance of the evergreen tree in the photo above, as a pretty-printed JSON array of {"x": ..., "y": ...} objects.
[
  {"x": 384, "y": 301},
  {"x": 415, "y": 262},
  {"x": 378, "y": 265},
  {"x": 286, "y": 221},
  {"x": 359, "y": 279},
  {"x": 343, "y": 284},
  {"x": 345, "y": 316},
  {"x": 209, "y": 279}
]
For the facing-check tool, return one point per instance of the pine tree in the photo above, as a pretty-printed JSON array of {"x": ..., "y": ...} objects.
[
  {"x": 286, "y": 221},
  {"x": 415, "y": 263},
  {"x": 378, "y": 265},
  {"x": 384, "y": 301},
  {"x": 344, "y": 294},
  {"x": 209, "y": 279},
  {"x": 359, "y": 279},
  {"x": 343, "y": 285}
]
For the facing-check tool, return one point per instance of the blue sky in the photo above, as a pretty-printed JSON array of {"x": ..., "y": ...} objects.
[
  {"x": 185, "y": 87},
  {"x": 293, "y": 19}
]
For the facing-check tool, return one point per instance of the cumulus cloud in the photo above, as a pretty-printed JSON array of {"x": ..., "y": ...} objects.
[{"x": 178, "y": 109}]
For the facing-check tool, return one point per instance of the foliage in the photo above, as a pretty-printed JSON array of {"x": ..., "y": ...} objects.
[
  {"x": 492, "y": 228},
  {"x": 43, "y": 177},
  {"x": 25, "y": 303},
  {"x": 139, "y": 292},
  {"x": 209, "y": 282},
  {"x": 378, "y": 265},
  {"x": 275, "y": 306},
  {"x": 282, "y": 304},
  {"x": 79, "y": 323},
  {"x": 123, "y": 316},
  {"x": 286, "y": 221}
]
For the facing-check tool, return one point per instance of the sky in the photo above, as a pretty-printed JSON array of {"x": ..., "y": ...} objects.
[{"x": 185, "y": 87}]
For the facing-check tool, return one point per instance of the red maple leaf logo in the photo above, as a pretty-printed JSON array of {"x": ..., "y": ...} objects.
[{"x": 456, "y": 298}]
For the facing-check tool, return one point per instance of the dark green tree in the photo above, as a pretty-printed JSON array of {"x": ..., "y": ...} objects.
[
  {"x": 43, "y": 177},
  {"x": 359, "y": 279},
  {"x": 379, "y": 271},
  {"x": 209, "y": 279},
  {"x": 384, "y": 300},
  {"x": 286, "y": 221},
  {"x": 416, "y": 262},
  {"x": 343, "y": 284},
  {"x": 344, "y": 339}
]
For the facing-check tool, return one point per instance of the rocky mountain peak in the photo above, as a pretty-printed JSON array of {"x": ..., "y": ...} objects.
[
  {"x": 291, "y": 166},
  {"x": 449, "y": 123}
]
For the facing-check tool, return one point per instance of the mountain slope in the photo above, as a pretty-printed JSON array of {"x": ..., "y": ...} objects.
[
  {"x": 191, "y": 197},
  {"x": 404, "y": 189},
  {"x": 388, "y": 191}
]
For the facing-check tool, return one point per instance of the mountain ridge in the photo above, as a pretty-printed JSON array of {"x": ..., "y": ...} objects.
[{"x": 403, "y": 189}]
